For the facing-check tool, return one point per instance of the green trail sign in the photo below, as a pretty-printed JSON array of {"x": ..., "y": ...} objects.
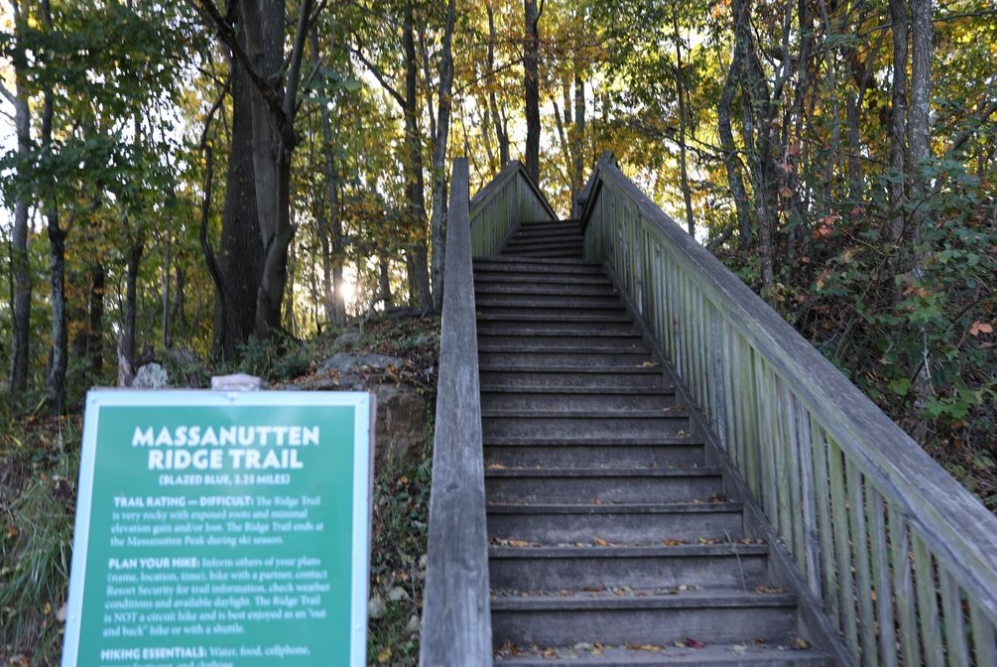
[{"x": 221, "y": 529}]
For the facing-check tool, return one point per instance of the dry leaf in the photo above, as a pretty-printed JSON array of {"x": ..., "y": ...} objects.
[{"x": 980, "y": 327}]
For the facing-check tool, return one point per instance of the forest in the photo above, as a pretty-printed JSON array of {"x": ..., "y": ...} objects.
[{"x": 208, "y": 184}]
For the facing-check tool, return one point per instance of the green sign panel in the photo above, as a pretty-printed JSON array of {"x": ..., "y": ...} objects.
[{"x": 221, "y": 529}]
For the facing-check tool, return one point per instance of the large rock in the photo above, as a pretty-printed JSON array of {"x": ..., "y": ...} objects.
[
  {"x": 348, "y": 369},
  {"x": 400, "y": 429}
]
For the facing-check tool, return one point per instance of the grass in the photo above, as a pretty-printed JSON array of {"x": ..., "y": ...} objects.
[{"x": 39, "y": 464}]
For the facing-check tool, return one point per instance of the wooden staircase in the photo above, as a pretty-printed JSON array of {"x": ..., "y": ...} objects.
[{"x": 612, "y": 541}]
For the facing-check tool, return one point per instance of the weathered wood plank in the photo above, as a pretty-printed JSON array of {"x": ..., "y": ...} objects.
[
  {"x": 881, "y": 573},
  {"x": 903, "y": 587},
  {"x": 842, "y": 538},
  {"x": 955, "y": 626},
  {"x": 984, "y": 642},
  {"x": 456, "y": 620},
  {"x": 860, "y": 559},
  {"x": 893, "y": 473},
  {"x": 927, "y": 604}
]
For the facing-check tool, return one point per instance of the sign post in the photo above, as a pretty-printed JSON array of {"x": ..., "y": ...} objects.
[{"x": 221, "y": 529}]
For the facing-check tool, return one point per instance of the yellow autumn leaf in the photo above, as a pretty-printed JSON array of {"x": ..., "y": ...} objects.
[
  {"x": 601, "y": 542},
  {"x": 384, "y": 655}
]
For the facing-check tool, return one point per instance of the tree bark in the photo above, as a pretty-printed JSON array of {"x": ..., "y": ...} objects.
[
  {"x": 681, "y": 88},
  {"x": 898, "y": 119},
  {"x": 531, "y": 87},
  {"x": 417, "y": 253},
  {"x": 20, "y": 267},
  {"x": 331, "y": 226},
  {"x": 438, "y": 218},
  {"x": 735, "y": 179},
  {"x": 497, "y": 117},
  {"x": 240, "y": 256},
  {"x": 126, "y": 346}
]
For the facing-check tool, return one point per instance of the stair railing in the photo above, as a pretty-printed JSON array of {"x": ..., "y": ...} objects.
[
  {"x": 511, "y": 197},
  {"x": 456, "y": 616},
  {"x": 901, "y": 558}
]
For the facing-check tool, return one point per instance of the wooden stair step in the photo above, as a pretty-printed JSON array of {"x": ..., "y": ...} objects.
[
  {"x": 723, "y": 616},
  {"x": 582, "y": 654},
  {"x": 725, "y": 564},
  {"x": 600, "y": 486},
  {"x": 565, "y": 454},
  {"x": 628, "y": 523}
]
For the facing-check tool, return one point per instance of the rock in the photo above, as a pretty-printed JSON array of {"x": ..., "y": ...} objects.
[
  {"x": 151, "y": 376},
  {"x": 347, "y": 366},
  {"x": 237, "y": 382},
  {"x": 347, "y": 340},
  {"x": 400, "y": 429},
  {"x": 376, "y": 607},
  {"x": 344, "y": 361},
  {"x": 397, "y": 594}
]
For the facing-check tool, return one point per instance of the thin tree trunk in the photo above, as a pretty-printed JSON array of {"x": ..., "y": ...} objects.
[
  {"x": 95, "y": 321},
  {"x": 126, "y": 348},
  {"x": 55, "y": 380},
  {"x": 437, "y": 223},
  {"x": 531, "y": 87},
  {"x": 497, "y": 117},
  {"x": 332, "y": 233},
  {"x": 680, "y": 85},
  {"x": 19, "y": 260},
  {"x": 735, "y": 179},
  {"x": 417, "y": 253},
  {"x": 384, "y": 282},
  {"x": 898, "y": 119}
]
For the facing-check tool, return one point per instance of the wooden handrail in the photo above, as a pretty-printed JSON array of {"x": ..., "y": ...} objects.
[
  {"x": 456, "y": 617},
  {"x": 892, "y": 547}
]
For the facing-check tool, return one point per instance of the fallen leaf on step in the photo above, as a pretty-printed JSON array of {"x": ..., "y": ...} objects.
[
  {"x": 739, "y": 649},
  {"x": 600, "y": 542},
  {"x": 690, "y": 643},
  {"x": 649, "y": 364},
  {"x": 799, "y": 644},
  {"x": 643, "y": 647}
]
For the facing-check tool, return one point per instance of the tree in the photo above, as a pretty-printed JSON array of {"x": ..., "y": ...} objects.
[
  {"x": 531, "y": 86},
  {"x": 257, "y": 46}
]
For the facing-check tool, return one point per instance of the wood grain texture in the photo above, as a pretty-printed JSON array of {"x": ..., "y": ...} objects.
[
  {"x": 456, "y": 620},
  {"x": 786, "y": 416}
]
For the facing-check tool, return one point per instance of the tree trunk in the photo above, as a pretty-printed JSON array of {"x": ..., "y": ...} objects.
[
  {"x": 240, "y": 256},
  {"x": 898, "y": 119},
  {"x": 20, "y": 266},
  {"x": 497, "y": 117},
  {"x": 126, "y": 345},
  {"x": 531, "y": 86},
  {"x": 331, "y": 233},
  {"x": 384, "y": 281},
  {"x": 681, "y": 88},
  {"x": 437, "y": 223},
  {"x": 95, "y": 322},
  {"x": 55, "y": 381},
  {"x": 264, "y": 44},
  {"x": 735, "y": 179},
  {"x": 417, "y": 253}
]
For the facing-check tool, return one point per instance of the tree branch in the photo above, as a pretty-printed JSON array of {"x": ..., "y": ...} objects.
[{"x": 379, "y": 76}]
